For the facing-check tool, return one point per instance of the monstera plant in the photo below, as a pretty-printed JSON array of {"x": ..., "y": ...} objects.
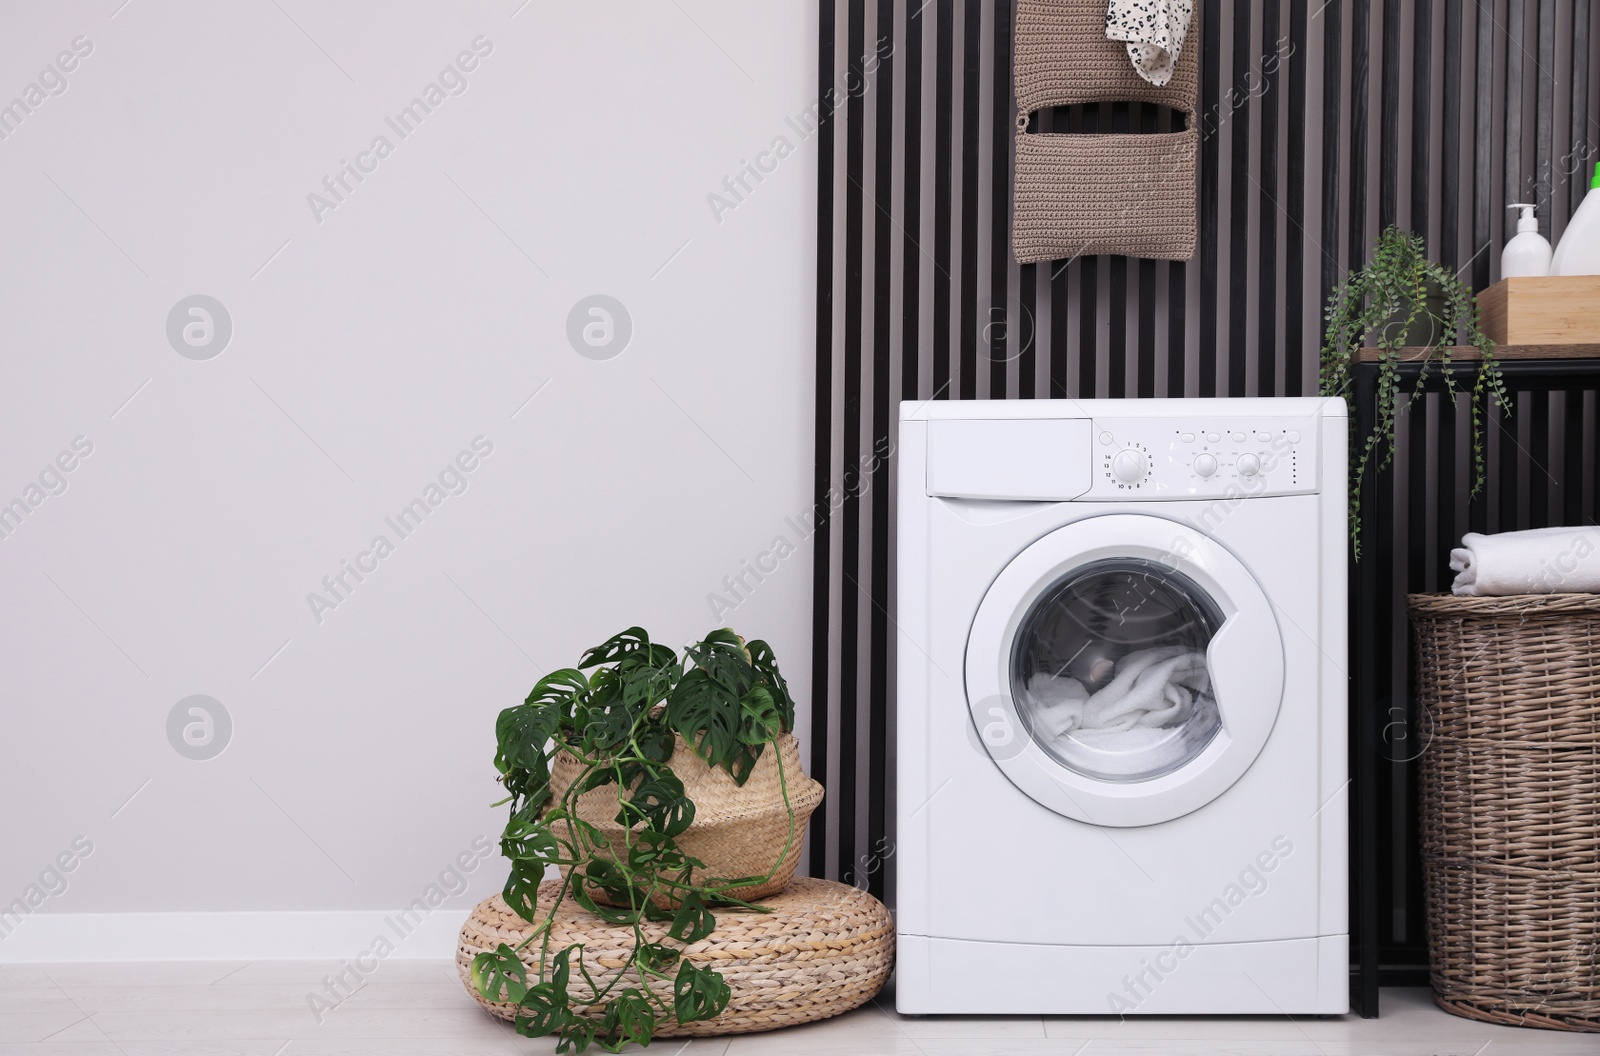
[
  {"x": 1402, "y": 299},
  {"x": 614, "y": 723}
]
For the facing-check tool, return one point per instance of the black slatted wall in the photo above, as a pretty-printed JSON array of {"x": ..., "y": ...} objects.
[{"x": 1322, "y": 123}]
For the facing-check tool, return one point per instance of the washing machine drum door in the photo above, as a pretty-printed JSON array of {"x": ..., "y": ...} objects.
[{"x": 1124, "y": 670}]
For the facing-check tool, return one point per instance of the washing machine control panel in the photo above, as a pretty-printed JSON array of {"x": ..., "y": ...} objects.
[{"x": 1167, "y": 458}]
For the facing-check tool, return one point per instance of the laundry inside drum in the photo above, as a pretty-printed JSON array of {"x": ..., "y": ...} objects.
[{"x": 1109, "y": 670}]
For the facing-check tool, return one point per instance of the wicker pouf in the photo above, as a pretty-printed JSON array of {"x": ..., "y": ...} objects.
[
  {"x": 824, "y": 948},
  {"x": 1511, "y": 805}
]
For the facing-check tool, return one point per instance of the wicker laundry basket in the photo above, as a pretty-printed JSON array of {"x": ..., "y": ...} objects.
[
  {"x": 824, "y": 948},
  {"x": 1127, "y": 193},
  {"x": 1511, "y": 805}
]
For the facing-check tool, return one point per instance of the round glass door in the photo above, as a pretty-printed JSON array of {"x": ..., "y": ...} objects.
[
  {"x": 1108, "y": 670},
  {"x": 1124, "y": 669}
]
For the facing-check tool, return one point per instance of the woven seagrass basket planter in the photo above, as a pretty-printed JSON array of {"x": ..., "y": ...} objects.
[
  {"x": 1510, "y": 689},
  {"x": 738, "y": 830},
  {"x": 824, "y": 948}
]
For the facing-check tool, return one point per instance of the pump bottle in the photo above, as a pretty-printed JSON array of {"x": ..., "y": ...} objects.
[{"x": 1528, "y": 253}]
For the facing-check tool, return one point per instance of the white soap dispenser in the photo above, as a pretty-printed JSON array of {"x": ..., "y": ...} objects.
[{"x": 1528, "y": 253}]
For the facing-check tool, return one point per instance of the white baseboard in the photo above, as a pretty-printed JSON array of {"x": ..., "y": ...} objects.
[{"x": 315, "y": 936}]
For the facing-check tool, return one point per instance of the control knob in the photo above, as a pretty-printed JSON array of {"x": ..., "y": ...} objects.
[
  {"x": 1128, "y": 465},
  {"x": 1249, "y": 465},
  {"x": 1205, "y": 464}
]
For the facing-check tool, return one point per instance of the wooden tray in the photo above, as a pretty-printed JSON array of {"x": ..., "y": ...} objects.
[{"x": 1545, "y": 310}]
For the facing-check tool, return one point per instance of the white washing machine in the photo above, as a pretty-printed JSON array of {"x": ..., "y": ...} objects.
[{"x": 1121, "y": 710}]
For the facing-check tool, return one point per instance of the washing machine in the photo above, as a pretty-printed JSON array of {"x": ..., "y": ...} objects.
[{"x": 1121, "y": 698}]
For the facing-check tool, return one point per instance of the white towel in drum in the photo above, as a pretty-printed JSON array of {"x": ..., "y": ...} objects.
[
  {"x": 1151, "y": 689},
  {"x": 1154, "y": 32},
  {"x": 1537, "y": 561}
]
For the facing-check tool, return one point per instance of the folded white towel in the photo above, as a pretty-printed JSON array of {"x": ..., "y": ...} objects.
[
  {"x": 1154, "y": 32},
  {"x": 1537, "y": 561}
]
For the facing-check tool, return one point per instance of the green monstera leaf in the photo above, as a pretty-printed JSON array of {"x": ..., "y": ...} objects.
[
  {"x": 500, "y": 975},
  {"x": 521, "y": 890},
  {"x": 699, "y": 993},
  {"x": 710, "y": 716}
]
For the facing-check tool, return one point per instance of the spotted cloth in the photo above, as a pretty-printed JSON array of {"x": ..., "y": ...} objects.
[{"x": 1154, "y": 32}]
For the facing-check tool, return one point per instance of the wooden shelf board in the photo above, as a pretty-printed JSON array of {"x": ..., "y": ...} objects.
[{"x": 1504, "y": 352}]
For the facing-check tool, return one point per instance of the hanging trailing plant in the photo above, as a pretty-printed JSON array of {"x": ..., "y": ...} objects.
[
  {"x": 620, "y": 723},
  {"x": 1388, "y": 304}
]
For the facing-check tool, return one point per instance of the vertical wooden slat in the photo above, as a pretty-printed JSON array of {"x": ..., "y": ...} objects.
[
  {"x": 944, "y": 163},
  {"x": 1507, "y": 480},
  {"x": 1295, "y": 249},
  {"x": 1146, "y": 376},
  {"x": 1060, "y": 358},
  {"x": 1579, "y": 169},
  {"x": 842, "y": 782},
  {"x": 1239, "y": 236},
  {"x": 1543, "y": 489},
  {"x": 971, "y": 66},
  {"x": 1027, "y": 360},
  {"x": 1450, "y": 528},
  {"x": 1117, "y": 323},
  {"x": 1591, "y": 460},
  {"x": 877, "y": 641},
  {"x": 1409, "y": 545},
  {"x": 1422, "y": 187},
  {"x": 822, "y": 469},
  {"x": 1389, "y": 120},
  {"x": 1515, "y": 176},
  {"x": 1544, "y": 116},
  {"x": 1117, "y": 287},
  {"x": 1332, "y": 63},
  {"x": 1268, "y": 295},
  {"x": 1088, "y": 305},
  {"x": 911, "y": 208},
  {"x": 1557, "y": 430},
  {"x": 1483, "y": 203},
  {"x": 1450, "y": 141},
  {"x": 1120, "y": 356},
  {"x": 1210, "y": 103},
  {"x": 999, "y": 243},
  {"x": 1177, "y": 306},
  {"x": 1571, "y": 438},
  {"x": 1060, "y": 292},
  {"x": 1356, "y": 251},
  {"x": 1527, "y": 471}
]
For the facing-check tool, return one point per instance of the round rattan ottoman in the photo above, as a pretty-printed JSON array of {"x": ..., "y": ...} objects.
[
  {"x": 1510, "y": 689},
  {"x": 824, "y": 948}
]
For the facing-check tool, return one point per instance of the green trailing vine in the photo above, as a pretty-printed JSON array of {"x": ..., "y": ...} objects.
[
  {"x": 726, "y": 698},
  {"x": 1377, "y": 306}
]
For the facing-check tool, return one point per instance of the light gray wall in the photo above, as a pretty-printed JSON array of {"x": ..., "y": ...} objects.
[{"x": 372, "y": 342}]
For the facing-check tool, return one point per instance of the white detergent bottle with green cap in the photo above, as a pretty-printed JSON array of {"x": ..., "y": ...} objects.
[
  {"x": 1579, "y": 250},
  {"x": 1528, "y": 253}
]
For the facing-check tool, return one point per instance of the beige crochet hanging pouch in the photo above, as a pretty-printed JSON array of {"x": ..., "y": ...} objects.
[{"x": 1130, "y": 194}]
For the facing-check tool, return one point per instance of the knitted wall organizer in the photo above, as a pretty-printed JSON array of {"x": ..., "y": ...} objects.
[{"x": 1132, "y": 194}]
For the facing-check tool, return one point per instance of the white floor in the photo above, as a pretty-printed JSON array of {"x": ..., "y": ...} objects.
[{"x": 415, "y": 1007}]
